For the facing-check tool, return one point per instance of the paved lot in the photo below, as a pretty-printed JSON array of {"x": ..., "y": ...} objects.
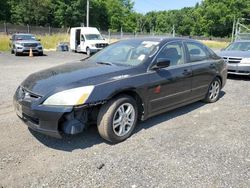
[{"x": 195, "y": 146}]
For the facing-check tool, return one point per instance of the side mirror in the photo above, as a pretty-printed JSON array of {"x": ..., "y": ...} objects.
[{"x": 161, "y": 63}]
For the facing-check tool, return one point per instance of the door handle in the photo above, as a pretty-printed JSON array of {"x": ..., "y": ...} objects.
[{"x": 187, "y": 72}]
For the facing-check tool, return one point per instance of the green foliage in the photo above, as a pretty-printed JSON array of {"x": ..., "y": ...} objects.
[{"x": 210, "y": 18}]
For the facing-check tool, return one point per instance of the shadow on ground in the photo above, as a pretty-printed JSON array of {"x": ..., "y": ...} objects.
[{"x": 90, "y": 137}]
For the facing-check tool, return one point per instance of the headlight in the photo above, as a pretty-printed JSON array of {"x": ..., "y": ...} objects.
[
  {"x": 19, "y": 45},
  {"x": 71, "y": 97},
  {"x": 245, "y": 61}
]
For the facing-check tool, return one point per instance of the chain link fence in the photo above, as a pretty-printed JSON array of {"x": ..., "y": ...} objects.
[{"x": 7, "y": 28}]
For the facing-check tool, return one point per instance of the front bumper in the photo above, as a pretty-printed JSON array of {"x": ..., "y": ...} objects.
[
  {"x": 40, "y": 118},
  {"x": 26, "y": 50},
  {"x": 239, "y": 69},
  {"x": 94, "y": 50}
]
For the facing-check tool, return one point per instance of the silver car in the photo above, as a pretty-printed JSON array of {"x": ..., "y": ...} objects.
[
  {"x": 23, "y": 43},
  {"x": 237, "y": 56}
]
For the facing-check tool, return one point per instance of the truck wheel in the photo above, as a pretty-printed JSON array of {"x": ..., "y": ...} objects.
[
  {"x": 88, "y": 51},
  {"x": 213, "y": 92},
  {"x": 117, "y": 119}
]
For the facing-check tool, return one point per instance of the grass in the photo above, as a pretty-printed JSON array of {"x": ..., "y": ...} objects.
[
  {"x": 50, "y": 42},
  {"x": 4, "y": 43},
  {"x": 215, "y": 44}
]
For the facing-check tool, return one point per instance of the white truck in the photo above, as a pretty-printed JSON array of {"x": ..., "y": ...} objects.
[{"x": 87, "y": 40}]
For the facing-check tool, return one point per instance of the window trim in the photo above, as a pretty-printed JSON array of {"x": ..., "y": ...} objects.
[
  {"x": 208, "y": 55},
  {"x": 163, "y": 46}
]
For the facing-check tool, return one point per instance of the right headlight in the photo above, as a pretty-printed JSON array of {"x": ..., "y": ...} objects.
[
  {"x": 19, "y": 45},
  {"x": 245, "y": 61},
  {"x": 71, "y": 97}
]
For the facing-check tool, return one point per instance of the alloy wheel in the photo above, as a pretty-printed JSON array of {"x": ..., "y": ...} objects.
[
  {"x": 214, "y": 90},
  {"x": 124, "y": 119}
]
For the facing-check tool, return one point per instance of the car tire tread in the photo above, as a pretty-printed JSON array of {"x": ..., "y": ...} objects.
[{"x": 105, "y": 118}]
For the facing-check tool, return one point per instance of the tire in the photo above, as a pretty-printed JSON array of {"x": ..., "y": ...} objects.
[
  {"x": 213, "y": 92},
  {"x": 16, "y": 53},
  {"x": 12, "y": 51},
  {"x": 125, "y": 124},
  {"x": 88, "y": 52},
  {"x": 40, "y": 54}
]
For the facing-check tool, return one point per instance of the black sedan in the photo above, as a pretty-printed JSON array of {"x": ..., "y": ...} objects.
[{"x": 128, "y": 81}]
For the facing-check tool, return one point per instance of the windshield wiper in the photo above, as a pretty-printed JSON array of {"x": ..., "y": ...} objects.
[{"x": 104, "y": 63}]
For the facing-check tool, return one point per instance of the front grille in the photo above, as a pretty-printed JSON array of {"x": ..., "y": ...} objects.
[
  {"x": 24, "y": 94},
  {"x": 232, "y": 59},
  {"x": 31, "y": 45},
  {"x": 101, "y": 45}
]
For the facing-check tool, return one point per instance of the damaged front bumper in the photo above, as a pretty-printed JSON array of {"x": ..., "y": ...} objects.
[{"x": 53, "y": 121}]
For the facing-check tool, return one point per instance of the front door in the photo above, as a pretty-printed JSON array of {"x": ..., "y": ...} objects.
[{"x": 170, "y": 86}]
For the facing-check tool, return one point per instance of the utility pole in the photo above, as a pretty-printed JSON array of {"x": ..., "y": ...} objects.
[
  {"x": 173, "y": 30},
  {"x": 87, "y": 16},
  {"x": 234, "y": 27}
]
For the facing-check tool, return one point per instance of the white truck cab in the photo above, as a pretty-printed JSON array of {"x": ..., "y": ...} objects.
[{"x": 87, "y": 40}]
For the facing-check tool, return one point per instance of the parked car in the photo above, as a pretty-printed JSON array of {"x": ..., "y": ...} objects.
[
  {"x": 86, "y": 39},
  {"x": 237, "y": 56},
  {"x": 128, "y": 81},
  {"x": 22, "y": 43}
]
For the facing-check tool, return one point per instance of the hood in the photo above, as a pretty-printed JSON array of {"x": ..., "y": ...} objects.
[
  {"x": 27, "y": 41},
  {"x": 97, "y": 41},
  {"x": 240, "y": 54},
  {"x": 72, "y": 75}
]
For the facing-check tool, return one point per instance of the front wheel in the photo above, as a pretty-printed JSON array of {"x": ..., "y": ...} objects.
[
  {"x": 88, "y": 51},
  {"x": 16, "y": 53},
  {"x": 213, "y": 93},
  {"x": 117, "y": 119}
]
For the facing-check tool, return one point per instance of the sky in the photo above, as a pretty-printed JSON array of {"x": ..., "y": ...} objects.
[{"x": 144, "y": 6}]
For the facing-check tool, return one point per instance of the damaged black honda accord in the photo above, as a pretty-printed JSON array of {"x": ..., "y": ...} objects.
[{"x": 128, "y": 81}]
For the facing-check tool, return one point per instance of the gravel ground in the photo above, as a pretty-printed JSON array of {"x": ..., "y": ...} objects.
[{"x": 200, "y": 145}]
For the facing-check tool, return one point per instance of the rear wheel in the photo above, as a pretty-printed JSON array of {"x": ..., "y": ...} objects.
[
  {"x": 213, "y": 91},
  {"x": 117, "y": 119}
]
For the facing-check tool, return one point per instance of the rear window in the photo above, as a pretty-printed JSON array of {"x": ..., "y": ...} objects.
[{"x": 196, "y": 51}]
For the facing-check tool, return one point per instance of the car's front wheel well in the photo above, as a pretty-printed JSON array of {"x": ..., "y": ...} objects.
[
  {"x": 137, "y": 98},
  {"x": 220, "y": 78}
]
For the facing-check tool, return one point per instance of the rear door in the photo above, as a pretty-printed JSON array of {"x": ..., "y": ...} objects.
[
  {"x": 203, "y": 66},
  {"x": 172, "y": 85}
]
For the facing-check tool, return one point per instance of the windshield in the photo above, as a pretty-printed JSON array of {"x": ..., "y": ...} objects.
[
  {"x": 128, "y": 53},
  {"x": 239, "y": 46},
  {"x": 25, "y": 37},
  {"x": 93, "y": 37}
]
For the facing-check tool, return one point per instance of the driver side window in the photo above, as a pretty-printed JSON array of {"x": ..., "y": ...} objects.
[{"x": 174, "y": 52}]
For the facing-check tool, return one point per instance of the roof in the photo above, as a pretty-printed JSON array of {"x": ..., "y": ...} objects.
[{"x": 161, "y": 39}]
